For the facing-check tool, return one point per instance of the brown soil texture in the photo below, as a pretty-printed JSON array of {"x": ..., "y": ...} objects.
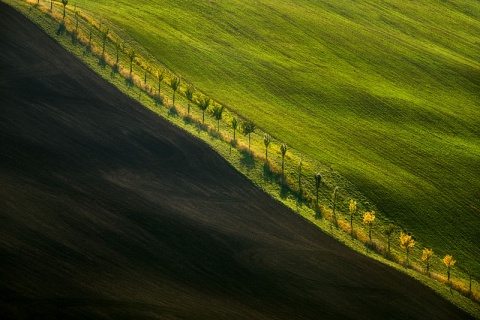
[{"x": 108, "y": 211}]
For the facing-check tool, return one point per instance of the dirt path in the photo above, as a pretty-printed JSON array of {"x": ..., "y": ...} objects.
[{"x": 107, "y": 211}]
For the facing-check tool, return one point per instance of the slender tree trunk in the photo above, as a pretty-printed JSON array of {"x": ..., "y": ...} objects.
[
  {"x": 334, "y": 208},
  {"x": 351, "y": 225},
  {"x": 283, "y": 168},
  {"x": 203, "y": 116},
  {"x": 90, "y": 38},
  {"x": 300, "y": 180},
  {"x": 104, "y": 35},
  {"x": 470, "y": 287},
  {"x": 249, "y": 141}
]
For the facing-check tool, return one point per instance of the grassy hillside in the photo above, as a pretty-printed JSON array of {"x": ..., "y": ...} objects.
[{"x": 386, "y": 92}]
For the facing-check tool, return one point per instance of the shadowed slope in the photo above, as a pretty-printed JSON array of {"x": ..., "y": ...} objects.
[{"x": 108, "y": 211}]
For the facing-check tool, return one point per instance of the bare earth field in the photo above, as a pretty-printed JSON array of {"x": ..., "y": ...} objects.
[{"x": 108, "y": 211}]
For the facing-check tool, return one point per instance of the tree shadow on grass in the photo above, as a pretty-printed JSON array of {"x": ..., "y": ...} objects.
[
  {"x": 188, "y": 120},
  {"x": 286, "y": 191},
  {"x": 267, "y": 172},
  {"x": 74, "y": 36},
  {"x": 87, "y": 50},
  {"x": 214, "y": 133},
  {"x": 115, "y": 68},
  {"x": 129, "y": 81},
  {"x": 114, "y": 71},
  {"x": 247, "y": 159},
  {"x": 158, "y": 100},
  {"x": 102, "y": 63},
  {"x": 61, "y": 28},
  {"x": 270, "y": 175},
  {"x": 201, "y": 127},
  {"x": 172, "y": 112}
]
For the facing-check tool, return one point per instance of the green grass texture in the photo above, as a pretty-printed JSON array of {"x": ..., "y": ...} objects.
[
  {"x": 428, "y": 235},
  {"x": 385, "y": 92}
]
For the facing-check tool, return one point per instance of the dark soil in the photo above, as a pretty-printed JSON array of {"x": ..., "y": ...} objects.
[{"x": 108, "y": 211}]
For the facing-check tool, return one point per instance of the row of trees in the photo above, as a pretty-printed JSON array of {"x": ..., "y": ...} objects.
[
  {"x": 407, "y": 241},
  {"x": 247, "y": 127}
]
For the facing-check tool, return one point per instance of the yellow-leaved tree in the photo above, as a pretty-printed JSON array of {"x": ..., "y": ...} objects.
[
  {"x": 406, "y": 242},
  {"x": 426, "y": 255},
  {"x": 368, "y": 219},
  {"x": 449, "y": 262},
  {"x": 388, "y": 232}
]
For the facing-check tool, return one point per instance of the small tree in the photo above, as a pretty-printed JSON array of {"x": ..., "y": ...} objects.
[
  {"x": 248, "y": 129},
  {"x": 64, "y": 3},
  {"x": 300, "y": 164},
  {"x": 334, "y": 205},
  {"x": 104, "y": 40},
  {"x": 266, "y": 142},
  {"x": 318, "y": 181},
  {"x": 283, "y": 150},
  {"x": 131, "y": 55},
  {"x": 426, "y": 255},
  {"x": 470, "y": 276},
  {"x": 406, "y": 242},
  {"x": 234, "y": 127},
  {"x": 76, "y": 25},
  {"x": 217, "y": 114},
  {"x": 353, "y": 209},
  {"x": 175, "y": 84},
  {"x": 89, "y": 47},
  {"x": 189, "y": 94},
  {"x": 118, "y": 46},
  {"x": 388, "y": 232},
  {"x": 51, "y": 5},
  {"x": 449, "y": 262},
  {"x": 147, "y": 71},
  {"x": 368, "y": 219},
  {"x": 160, "y": 77},
  {"x": 203, "y": 105}
]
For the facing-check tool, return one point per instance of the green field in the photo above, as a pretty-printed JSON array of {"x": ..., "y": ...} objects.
[{"x": 385, "y": 92}]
